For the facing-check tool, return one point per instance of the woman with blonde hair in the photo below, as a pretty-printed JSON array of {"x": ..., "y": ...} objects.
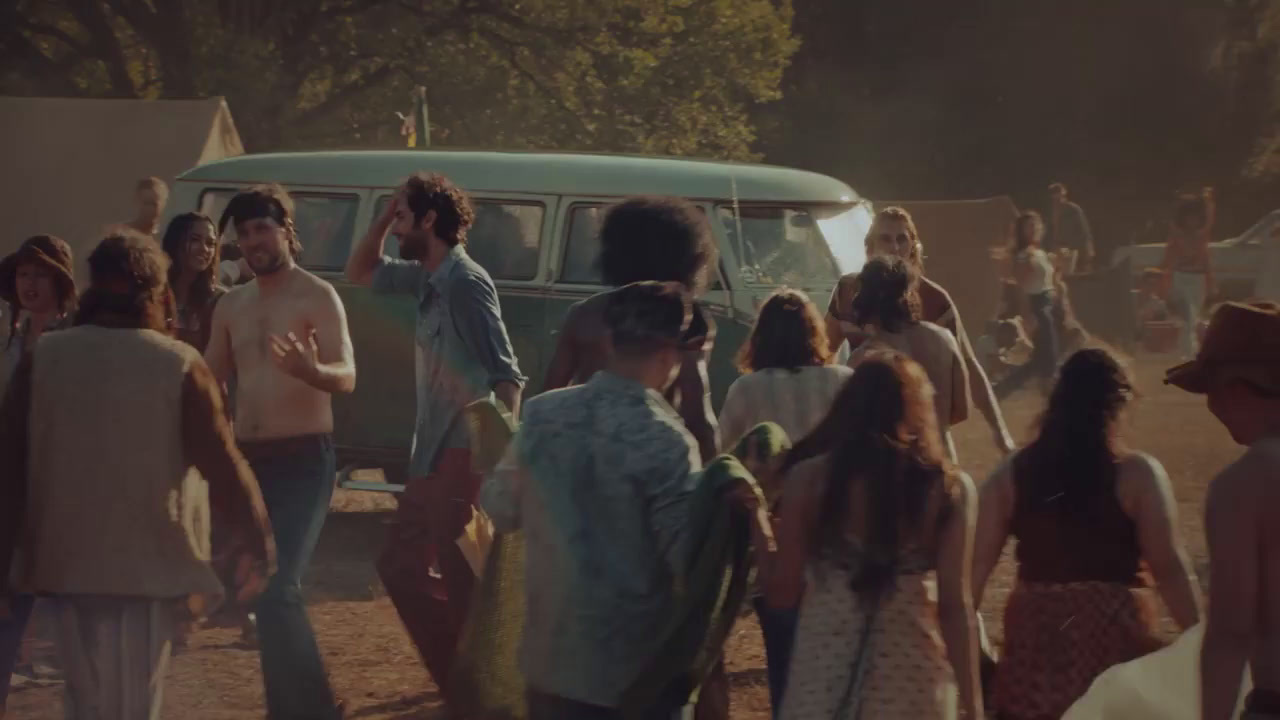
[
  {"x": 893, "y": 233},
  {"x": 875, "y": 545}
]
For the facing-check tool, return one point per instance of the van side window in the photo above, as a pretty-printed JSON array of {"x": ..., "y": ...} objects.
[
  {"x": 582, "y": 252},
  {"x": 582, "y": 248},
  {"x": 325, "y": 223}
]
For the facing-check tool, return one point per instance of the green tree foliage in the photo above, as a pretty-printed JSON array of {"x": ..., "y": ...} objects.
[{"x": 653, "y": 76}]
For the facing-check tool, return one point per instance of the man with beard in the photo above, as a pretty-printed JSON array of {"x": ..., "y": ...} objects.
[
  {"x": 284, "y": 338},
  {"x": 462, "y": 354},
  {"x": 894, "y": 233},
  {"x": 116, "y": 453}
]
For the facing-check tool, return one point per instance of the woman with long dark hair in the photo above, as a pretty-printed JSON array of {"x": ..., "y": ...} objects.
[
  {"x": 887, "y": 308},
  {"x": 876, "y": 534},
  {"x": 787, "y": 380},
  {"x": 1033, "y": 271},
  {"x": 1088, "y": 513},
  {"x": 191, "y": 243}
]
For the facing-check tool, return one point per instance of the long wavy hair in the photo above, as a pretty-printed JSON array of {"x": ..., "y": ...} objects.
[
  {"x": 789, "y": 334},
  {"x": 882, "y": 438},
  {"x": 1072, "y": 462},
  {"x": 887, "y": 297},
  {"x": 175, "y": 246}
]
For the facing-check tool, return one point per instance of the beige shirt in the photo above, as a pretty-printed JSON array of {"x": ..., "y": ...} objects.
[{"x": 939, "y": 354}]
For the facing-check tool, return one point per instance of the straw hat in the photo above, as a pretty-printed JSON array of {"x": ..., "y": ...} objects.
[
  {"x": 47, "y": 250},
  {"x": 1243, "y": 342}
]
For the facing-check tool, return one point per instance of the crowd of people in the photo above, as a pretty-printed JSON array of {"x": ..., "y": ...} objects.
[{"x": 167, "y": 449}]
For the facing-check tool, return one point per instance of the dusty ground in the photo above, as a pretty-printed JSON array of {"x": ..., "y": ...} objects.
[{"x": 376, "y": 670}]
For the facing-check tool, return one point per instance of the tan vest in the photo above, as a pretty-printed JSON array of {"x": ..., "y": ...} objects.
[{"x": 113, "y": 507}]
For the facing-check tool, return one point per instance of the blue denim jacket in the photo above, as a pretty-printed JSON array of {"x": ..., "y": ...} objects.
[{"x": 461, "y": 347}]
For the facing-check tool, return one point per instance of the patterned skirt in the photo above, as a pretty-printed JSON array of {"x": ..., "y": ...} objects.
[
  {"x": 907, "y": 674},
  {"x": 1060, "y": 637}
]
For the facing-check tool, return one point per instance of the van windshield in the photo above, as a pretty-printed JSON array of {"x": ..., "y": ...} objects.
[{"x": 800, "y": 246}]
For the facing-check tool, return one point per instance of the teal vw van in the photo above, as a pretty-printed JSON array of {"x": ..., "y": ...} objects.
[{"x": 535, "y": 232}]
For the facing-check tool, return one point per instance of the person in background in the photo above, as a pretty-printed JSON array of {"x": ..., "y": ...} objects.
[
  {"x": 1034, "y": 272},
  {"x": 894, "y": 233},
  {"x": 787, "y": 380},
  {"x": 192, "y": 246},
  {"x": 888, "y": 311},
  {"x": 1151, "y": 304},
  {"x": 1187, "y": 264},
  {"x": 284, "y": 338},
  {"x": 463, "y": 354},
  {"x": 1088, "y": 513},
  {"x": 37, "y": 284},
  {"x": 1238, "y": 369},
  {"x": 119, "y": 571},
  {"x": 648, "y": 239},
  {"x": 598, "y": 479},
  {"x": 883, "y": 525},
  {"x": 151, "y": 195},
  {"x": 1069, "y": 230}
]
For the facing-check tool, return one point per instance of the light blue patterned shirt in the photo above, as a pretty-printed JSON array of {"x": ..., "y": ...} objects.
[
  {"x": 461, "y": 347},
  {"x": 598, "y": 479}
]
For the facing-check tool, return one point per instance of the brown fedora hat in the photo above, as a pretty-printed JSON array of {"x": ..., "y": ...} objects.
[
  {"x": 47, "y": 250},
  {"x": 1242, "y": 341}
]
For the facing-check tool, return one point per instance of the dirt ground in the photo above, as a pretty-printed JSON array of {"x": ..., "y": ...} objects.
[{"x": 376, "y": 670}]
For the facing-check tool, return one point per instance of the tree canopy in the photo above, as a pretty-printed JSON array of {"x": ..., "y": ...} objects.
[{"x": 651, "y": 76}]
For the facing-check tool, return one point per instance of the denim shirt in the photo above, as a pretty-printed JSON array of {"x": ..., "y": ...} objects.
[{"x": 461, "y": 347}]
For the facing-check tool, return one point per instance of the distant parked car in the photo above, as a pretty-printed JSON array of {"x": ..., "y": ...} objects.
[{"x": 1237, "y": 261}]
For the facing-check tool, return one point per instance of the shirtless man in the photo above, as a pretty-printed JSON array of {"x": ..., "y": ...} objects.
[
  {"x": 152, "y": 195},
  {"x": 1238, "y": 368},
  {"x": 894, "y": 233},
  {"x": 284, "y": 338},
  {"x": 648, "y": 239}
]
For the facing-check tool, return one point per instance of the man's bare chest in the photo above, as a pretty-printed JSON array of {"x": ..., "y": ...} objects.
[{"x": 255, "y": 322}]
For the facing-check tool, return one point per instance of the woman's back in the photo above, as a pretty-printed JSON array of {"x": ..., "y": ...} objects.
[
  {"x": 794, "y": 399},
  {"x": 1096, "y": 543},
  {"x": 896, "y": 639},
  {"x": 937, "y": 351}
]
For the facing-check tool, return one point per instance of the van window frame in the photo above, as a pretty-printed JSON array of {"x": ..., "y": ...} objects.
[{"x": 720, "y": 279}]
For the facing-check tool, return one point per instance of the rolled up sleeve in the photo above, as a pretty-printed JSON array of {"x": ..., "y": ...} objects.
[
  {"x": 397, "y": 277},
  {"x": 477, "y": 316}
]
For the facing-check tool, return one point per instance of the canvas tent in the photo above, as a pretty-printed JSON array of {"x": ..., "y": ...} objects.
[
  {"x": 959, "y": 237},
  {"x": 71, "y": 164}
]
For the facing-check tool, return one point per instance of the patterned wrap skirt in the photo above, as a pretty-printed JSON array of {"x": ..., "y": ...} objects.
[{"x": 1060, "y": 637}]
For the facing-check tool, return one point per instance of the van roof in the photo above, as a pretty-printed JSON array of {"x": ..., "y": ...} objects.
[{"x": 555, "y": 173}]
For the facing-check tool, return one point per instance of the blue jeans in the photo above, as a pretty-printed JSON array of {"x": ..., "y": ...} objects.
[
  {"x": 778, "y": 625},
  {"x": 1044, "y": 356},
  {"x": 297, "y": 478},
  {"x": 11, "y": 632}
]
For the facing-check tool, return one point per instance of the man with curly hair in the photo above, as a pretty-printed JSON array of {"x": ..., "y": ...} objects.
[
  {"x": 463, "y": 354},
  {"x": 649, "y": 239}
]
